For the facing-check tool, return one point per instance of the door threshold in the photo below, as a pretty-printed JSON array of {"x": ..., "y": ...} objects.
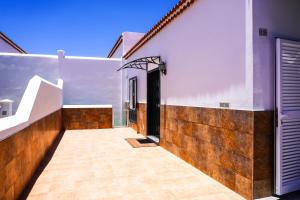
[{"x": 153, "y": 138}]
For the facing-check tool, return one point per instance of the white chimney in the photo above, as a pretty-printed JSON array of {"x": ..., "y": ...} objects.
[{"x": 6, "y": 107}]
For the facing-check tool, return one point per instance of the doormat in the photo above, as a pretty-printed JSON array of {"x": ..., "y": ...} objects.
[{"x": 140, "y": 142}]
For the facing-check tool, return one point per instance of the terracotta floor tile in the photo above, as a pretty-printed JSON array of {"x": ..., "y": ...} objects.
[{"x": 100, "y": 164}]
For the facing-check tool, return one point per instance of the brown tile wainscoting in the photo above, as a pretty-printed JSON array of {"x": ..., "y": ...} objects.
[
  {"x": 141, "y": 125},
  {"x": 234, "y": 147},
  {"x": 87, "y": 118},
  {"x": 21, "y": 154},
  {"x": 263, "y": 169}
]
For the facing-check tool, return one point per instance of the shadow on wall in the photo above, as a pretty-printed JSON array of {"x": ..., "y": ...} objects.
[
  {"x": 16, "y": 70},
  {"x": 40, "y": 99}
]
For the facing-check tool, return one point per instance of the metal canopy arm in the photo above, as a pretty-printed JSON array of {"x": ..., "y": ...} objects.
[{"x": 141, "y": 63}]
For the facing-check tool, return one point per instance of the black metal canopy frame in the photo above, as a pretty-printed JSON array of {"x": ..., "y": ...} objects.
[{"x": 142, "y": 63}]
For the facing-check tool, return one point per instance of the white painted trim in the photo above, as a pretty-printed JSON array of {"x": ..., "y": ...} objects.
[
  {"x": 92, "y": 58},
  {"x": 249, "y": 51},
  {"x": 6, "y": 101},
  {"x": 28, "y": 55},
  {"x": 87, "y": 106},
  {"x": 217, "y": 107}
]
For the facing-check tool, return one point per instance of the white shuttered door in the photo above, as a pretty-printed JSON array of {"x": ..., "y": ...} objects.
[{"x": 288, "y": 112}]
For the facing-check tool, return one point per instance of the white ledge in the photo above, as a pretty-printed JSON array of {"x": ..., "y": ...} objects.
[
  {"x": 28, "y": 55},
  {"x": 40, "y": 99},
  {"x": 92, "y": 58},
  {"x": 87, "y": 106}
]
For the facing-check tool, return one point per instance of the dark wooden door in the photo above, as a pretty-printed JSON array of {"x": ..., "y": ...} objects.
[{"x": 153, "y": 103}]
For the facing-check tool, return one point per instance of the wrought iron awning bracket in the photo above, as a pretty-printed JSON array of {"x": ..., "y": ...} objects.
[{"x": 141, "y": 63}]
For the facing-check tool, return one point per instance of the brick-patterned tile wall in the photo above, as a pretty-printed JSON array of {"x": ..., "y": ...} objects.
[
  {"x": 21, "y": 154},
  {"x": 87, "y": 118},
  {"x": 142, "y": 118},
  {"x": 222, "y": 143},
  {"x": 141, "y": 125},
  {"x": 263, "y": 171}
]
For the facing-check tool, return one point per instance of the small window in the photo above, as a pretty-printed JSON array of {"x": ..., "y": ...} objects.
[
  {"x": 132, "y": 93},
  {"x": 132, "y": 99},
  {"x": 4, "y": 113}
]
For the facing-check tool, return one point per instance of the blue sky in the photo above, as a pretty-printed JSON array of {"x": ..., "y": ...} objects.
[{"x": 80, "y": 27}]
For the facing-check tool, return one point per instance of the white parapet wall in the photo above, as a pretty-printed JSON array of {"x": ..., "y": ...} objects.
[
  {"x": 40, "y": 99},
  {"x": 87, "y": 80},
  {"x": 92, "y": 81},
  {"x": 17, "y": 69},
  {"x": 87, "y": 106}
]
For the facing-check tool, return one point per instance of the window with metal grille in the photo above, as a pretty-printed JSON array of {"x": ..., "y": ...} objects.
[{"x": 132, "y": 99}]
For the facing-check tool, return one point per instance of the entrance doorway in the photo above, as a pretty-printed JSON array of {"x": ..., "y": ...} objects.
[
  {"x": 287, "y": 116},
  {"x": 153, "y": 105}
]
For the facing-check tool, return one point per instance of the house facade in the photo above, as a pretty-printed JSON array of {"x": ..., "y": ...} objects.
[
  {"x": 216, "y": 83},
  {"x": 202, "y": 82}
]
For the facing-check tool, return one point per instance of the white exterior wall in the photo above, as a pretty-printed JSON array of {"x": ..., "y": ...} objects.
[
  {"x": 17, "y": 69},
  {"x": 88, "y": 81},
  {"x": 119, "y": 52},
  {"x": 282, "y": 19},
  {"x": 92, "y": 81},
  {"x": 205, "y": 52},
  {"x": 5, "y": 47},
  {"x": 130, "y": 39}
]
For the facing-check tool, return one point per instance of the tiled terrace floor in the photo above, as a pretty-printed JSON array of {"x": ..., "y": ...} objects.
[{"x": 100, "y": 164}]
